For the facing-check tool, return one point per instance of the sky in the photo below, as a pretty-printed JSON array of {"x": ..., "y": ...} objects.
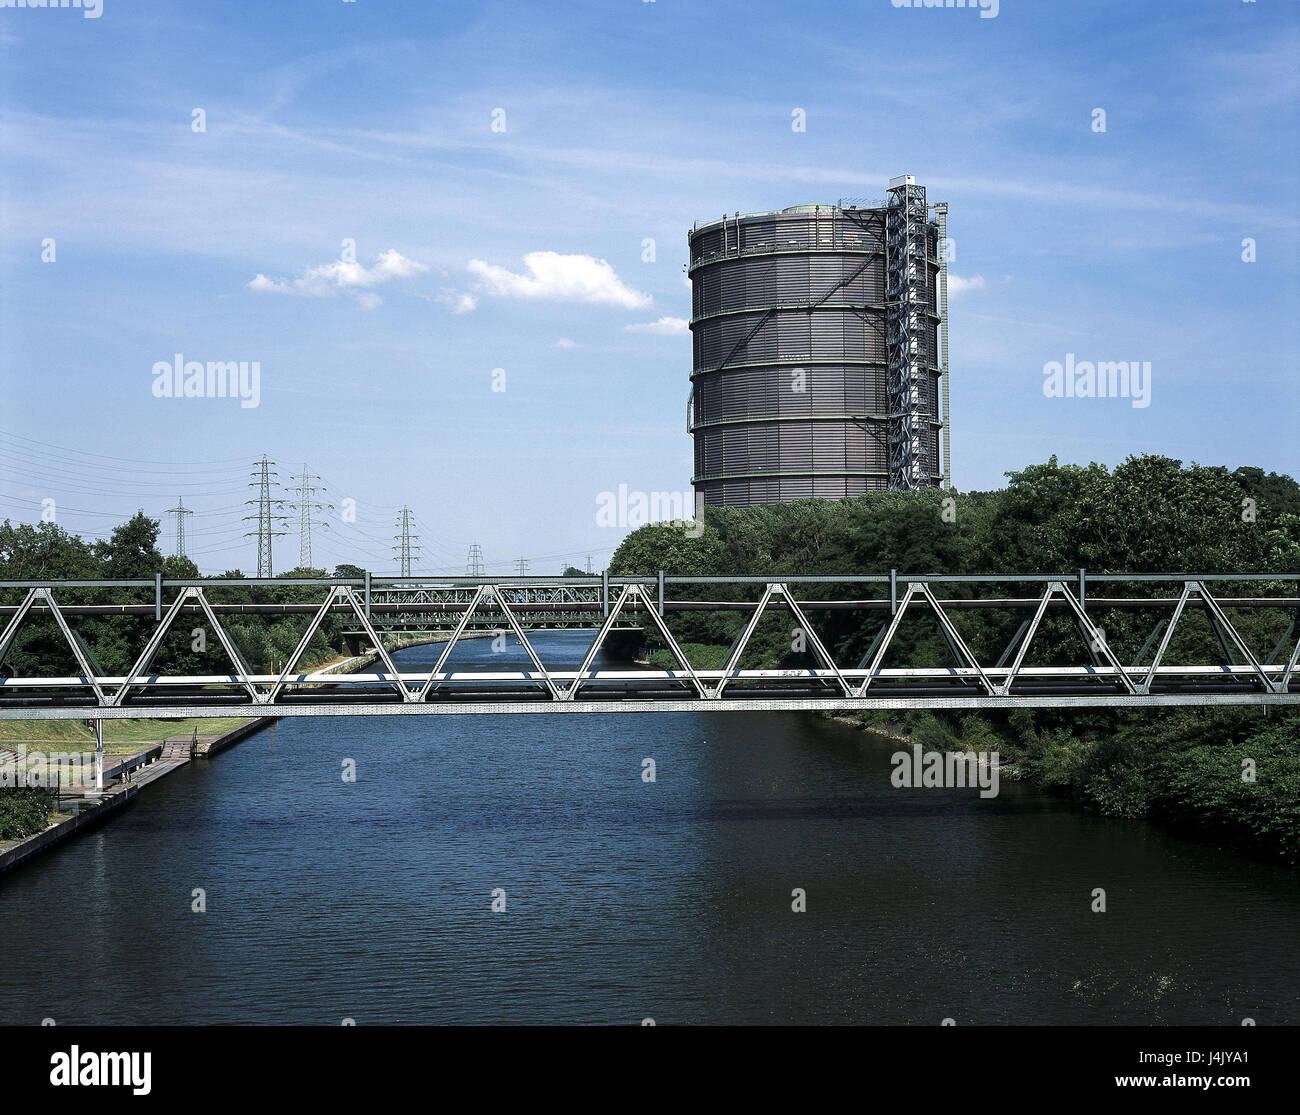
[{"x": 452, "y": 238}]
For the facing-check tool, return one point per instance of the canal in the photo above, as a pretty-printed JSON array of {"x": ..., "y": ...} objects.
[{"x": 625, "y": 899}]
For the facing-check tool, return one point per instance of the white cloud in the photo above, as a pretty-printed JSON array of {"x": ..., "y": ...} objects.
[
  {"x": 343, "y": 275},
  {"x": 564, "y": 342},
  {"x": 560, "y": 278},
  {"x": 664, "y": 327},
  {"x": 458, "y": 302},
  {"x": 958, "y": 285}
]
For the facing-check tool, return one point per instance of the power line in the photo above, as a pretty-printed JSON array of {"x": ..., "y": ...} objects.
[{"x": 171, "y": 466}]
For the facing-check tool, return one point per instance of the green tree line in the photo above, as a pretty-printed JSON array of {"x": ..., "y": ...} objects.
[{"x": 45, "y": 551}]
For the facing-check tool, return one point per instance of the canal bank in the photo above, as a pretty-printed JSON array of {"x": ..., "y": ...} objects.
[{"x": 124, "y": 779}]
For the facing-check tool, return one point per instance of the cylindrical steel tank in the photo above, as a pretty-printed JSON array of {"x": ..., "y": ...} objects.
[{"x": 790, "y": 387}]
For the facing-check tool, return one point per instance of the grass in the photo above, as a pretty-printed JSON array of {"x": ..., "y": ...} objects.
[{"x": 121, "y": 737}]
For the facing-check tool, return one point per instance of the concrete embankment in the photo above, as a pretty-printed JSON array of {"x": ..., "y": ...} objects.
[
  {"x": 14, "y": 853},
  {"x": 122, "y": 782}
]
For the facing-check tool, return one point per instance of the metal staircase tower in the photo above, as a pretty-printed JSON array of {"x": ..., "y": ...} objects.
[
  {"x": 906, "y": 263},
  {"x": 941, "y": 219}
]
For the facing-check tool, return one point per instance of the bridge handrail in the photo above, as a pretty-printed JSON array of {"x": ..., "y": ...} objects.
[{"x": 669, "y": 579}]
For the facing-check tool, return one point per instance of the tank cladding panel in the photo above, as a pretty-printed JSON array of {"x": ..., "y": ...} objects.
[{"x": 791, "y": 347}]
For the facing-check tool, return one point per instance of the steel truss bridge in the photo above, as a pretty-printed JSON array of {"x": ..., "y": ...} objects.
[{"x": 1235, "y": 673}]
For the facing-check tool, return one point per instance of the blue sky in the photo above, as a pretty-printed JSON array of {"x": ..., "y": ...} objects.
[{"x": 624, "y": 121}]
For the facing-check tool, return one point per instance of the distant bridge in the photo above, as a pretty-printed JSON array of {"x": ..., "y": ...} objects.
[
  {"x": 434, "y": 608},
  {"x": 1230, "y": 672}
]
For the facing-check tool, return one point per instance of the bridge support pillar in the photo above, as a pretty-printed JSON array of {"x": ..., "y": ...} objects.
[{"x": 99, "y": 756}]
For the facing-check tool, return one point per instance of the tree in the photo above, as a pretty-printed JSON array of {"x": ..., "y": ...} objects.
[
  {"x": 44, "y": 550},
  {"x": 131, "y": 553},
  {"x": 1278, "y": 492}
]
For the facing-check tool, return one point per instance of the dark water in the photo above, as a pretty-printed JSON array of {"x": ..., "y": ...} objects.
[{"x": 627, "y": 900}]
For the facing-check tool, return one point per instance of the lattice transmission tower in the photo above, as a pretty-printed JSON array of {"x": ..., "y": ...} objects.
[
  {"x": 474, "y": 567},
  {"x": 404, "y": 547},
  {"x": 268, "y": 515},
  {"x": 306, "y": 505},
  {"x": 180, "y": 511}
]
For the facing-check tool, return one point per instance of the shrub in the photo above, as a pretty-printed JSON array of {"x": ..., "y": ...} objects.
[
  {"x": 702, "y": 656},
  {"x": 24, "y": 811},
  {"x": 1203, "y": 788}
]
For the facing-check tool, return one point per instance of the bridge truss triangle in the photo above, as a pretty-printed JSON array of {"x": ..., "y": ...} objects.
[
  {"x": 348, "y": 596},
  {"x": 481, "y": 594},
  {"x": 85, "y": 658},
  {"x": 954, "y": 637},
  {"x": 1226, "y": 632},
  {"x": 635, "y": 592},
  {"x": 779, "y": 591},
  {"x": 1094, "y": 636},
  {"x": 242, "y": 675}
]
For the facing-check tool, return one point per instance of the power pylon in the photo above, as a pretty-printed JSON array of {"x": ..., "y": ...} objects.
[
  {"x": 588, "y": 565},
  {"x": 404, "y": 541},
  {"x": 268, "y": 514},
  {"x": 305, "y": 505},
  {"x": 521, "y": 567},
  {"x": 474, "y": 567},
  {"x": 180, "y": 511}
]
